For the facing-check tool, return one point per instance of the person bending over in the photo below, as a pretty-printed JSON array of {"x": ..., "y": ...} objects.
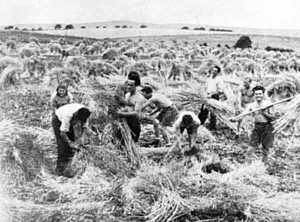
[
  {"x": 164, "y": 106},
  {"x": 70, "y": 126},
  {"x": 187, "y": 121}
]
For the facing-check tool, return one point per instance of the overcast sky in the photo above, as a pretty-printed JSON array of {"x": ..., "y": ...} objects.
[{"x": 274, "y": 14}]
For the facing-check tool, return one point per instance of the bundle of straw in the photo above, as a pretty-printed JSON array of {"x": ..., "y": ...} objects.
[
  {"x": 76, "y": 62},
  {"x": 132, "y": 53},
  {"x": 66, "y": 76},
  {"x": 142, "y": 67},
  {"x": 9, "y": 61},
  {"x": 103, "y": 68},
  {"x": 110, "y": 54},
  {"x": 195, "y": 97},
  {"x": 207, "y": 64},
  {"x": 287, "y": 86},
  {"x": 168, "y": 207},
  {"x": 9, "y": 76},
  {"x": 291, "y": 116},
  {"x": 130, "y": 147},
  {"x": 27, "y": 105},
  {"x": 22, "y": 150},
  {"x": 279, "y": 207}
]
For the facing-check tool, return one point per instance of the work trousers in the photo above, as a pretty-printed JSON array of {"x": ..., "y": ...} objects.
[
  {"x": 203, "y": 115},
  {"x": 64, "y": 151}
]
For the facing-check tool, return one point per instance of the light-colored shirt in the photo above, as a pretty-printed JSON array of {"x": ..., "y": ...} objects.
[
  {"x": 160, "y": 100},
  {"x": 65, "y": 114},
  {"x": 214, "y": 85},
  {"x": 258, "y": 116}
]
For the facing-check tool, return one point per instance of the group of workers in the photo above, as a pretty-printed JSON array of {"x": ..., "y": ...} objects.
[{"x": 138, "y": 104}]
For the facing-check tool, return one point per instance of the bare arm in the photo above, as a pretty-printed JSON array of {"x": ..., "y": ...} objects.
[
  {"x": 86, "y": 131},
  {"x": 120, "y": 94},
  {"x": 136, "y": 112},
  {"x": 240, "y": 99},
  {"x": 247, "y": 109},
  {"x": 53, "y": 103},
  {"x": 53, "y": 108},
  {"x": 65, "y": 138},
  {"x": 125, "y": 114},
  {"x": 71, "y": 98},
  {"x": 193, "y": 136},
  {"x": 155, "y": 111},
  {"x": 146, "y": 105},
  {"x": 178, "y": 136},
  {"x": 269, "y": 113}
]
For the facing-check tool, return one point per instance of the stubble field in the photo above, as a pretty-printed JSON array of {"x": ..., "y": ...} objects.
[{"x": 111, "y": 184}]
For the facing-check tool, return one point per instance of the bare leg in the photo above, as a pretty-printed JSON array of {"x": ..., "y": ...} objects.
[
  {"x": 165, "y": 134},
  {"x": 156, "y": 128}
]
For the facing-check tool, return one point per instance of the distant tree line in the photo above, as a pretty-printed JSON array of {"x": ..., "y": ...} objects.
[
  {"x": 275, "y": 49},
  {"x": 199, "y": 28},
  {"x": 11, "y": 27},
  {"x": 69, "y": 26},
  {"x": 57, "y": 26},
  {"x": 196, "y": 28},
  {"x": 219, "y": 30}
]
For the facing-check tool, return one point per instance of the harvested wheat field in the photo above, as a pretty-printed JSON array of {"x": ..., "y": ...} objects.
[{"x": 145, "y": 181}]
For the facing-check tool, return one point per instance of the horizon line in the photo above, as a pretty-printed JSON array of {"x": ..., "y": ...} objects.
[{"x": 152, "y": 23}]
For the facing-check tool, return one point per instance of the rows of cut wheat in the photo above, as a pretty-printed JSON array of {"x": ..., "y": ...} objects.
[{"x": 106, "y": 185}]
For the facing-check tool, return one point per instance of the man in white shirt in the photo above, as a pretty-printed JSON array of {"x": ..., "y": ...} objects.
[
  {"x": 214, "y": 88},
  {"x": 263, "y": 130},
  {"x": 214, "y": 82},
  {"x": 69, "y": 124}
]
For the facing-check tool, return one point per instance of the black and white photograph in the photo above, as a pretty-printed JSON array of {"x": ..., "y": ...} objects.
[{"x": 149, "y": 111}]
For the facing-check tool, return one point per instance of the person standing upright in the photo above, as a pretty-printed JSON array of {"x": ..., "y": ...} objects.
[
  {"x": 263, "y": 130},
  {"x": 60, "y": 97},
  {"x": 132, "y": 113},
  {"x": 245, "y": 94},
  {"x": 214, "y": 89}
]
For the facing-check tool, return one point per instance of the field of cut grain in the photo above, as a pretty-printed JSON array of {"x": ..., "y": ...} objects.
[
  {"x": 139, "y": 182},
  {"x": 260, "y": 39}
]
